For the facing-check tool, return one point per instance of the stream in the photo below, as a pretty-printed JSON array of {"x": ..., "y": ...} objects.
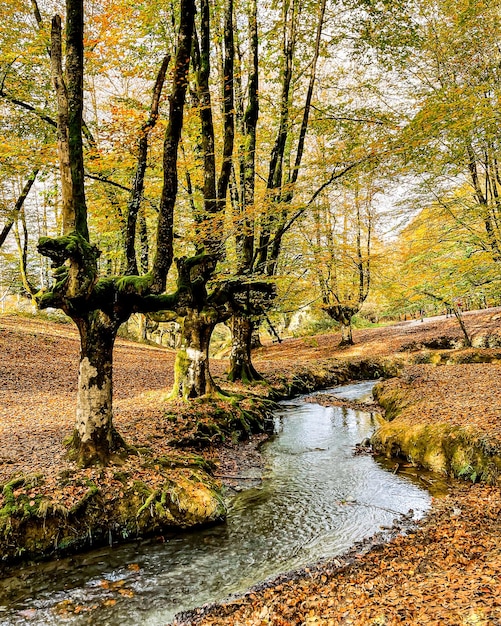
[{"x": 316, "y": 500}]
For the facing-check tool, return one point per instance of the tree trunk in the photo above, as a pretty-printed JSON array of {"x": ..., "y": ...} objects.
[
  {"x": 241, "y": 367},
  {"x": 346, "y": 332},
  {"x": 459, "y": 317},
  {"x": 77, "y": 289},
  {"x": 94, "y": 438},
  {"x": 242, "y": 326},
  {"x": 192, "y": 378},
  {"x": 255, "y": 341}
]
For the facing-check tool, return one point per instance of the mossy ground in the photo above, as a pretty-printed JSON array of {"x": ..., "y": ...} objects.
[
  {"x": 163, "y": 483},
  {"x": 86, "y": 508},
  {"x": 446, "y": 419}
]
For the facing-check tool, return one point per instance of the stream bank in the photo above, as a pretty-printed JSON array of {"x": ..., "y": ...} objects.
[
  {"x": 317, "y": 498},
  {"x": 446, "y": 571},
  {"x": 174, "y": 476},
  {"x": 433, "y": 420},
  {"x": 167, "y": 484},
  {"x": 180, "y": 467}
]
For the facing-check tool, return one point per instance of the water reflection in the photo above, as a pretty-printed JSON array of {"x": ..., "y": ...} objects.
[{"x": 317, "y": 500}]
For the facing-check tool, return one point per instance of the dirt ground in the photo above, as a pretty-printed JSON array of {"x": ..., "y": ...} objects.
[{"x": 448, "y": 571}]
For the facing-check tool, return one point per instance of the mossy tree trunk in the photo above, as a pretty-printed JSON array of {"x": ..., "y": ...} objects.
[
  {"x": 346, "y": 332},
  {"x": 241, "y": 324},
  {"x": 192, "y": 377},
  {"x": 241, "y": 367},
  {"x": 94, "y": 439},
  {"x": 343, "y": 315}
]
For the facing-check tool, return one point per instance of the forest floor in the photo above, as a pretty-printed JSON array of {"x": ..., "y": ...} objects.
[{"x": 446, "y": 571}]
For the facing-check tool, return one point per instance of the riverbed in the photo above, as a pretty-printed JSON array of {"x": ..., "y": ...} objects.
[{"x": 316, "y": 500}]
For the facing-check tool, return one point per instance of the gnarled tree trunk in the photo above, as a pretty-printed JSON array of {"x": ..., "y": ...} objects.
[
  {"x": 99, "y": 306},
  {"x": 343, "y": 315}
]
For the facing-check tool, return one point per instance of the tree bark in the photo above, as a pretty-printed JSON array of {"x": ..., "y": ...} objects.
[
  {"x": 94, "y": 439},
  {"x": 343, "y": 315},
  {"x": 165, "y": 226},
  {"x": 192, "y": 378},
  {"x": 346, "y": 332},
  {"x": 242, "y": 326},
  {"x": 241, "y": 367}
]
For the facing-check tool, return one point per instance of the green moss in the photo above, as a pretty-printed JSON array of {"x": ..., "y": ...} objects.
[
  {"x": 65, "y": 475},
  {"x": 136, "y": 285},
  {"x": 394, "y": 401},
  {"x": 140, "y": 488},
  {"x": 181, "y": 366},
  {"x": 442, "y": 448},
  {"x": 213, "y": 419},
  {"x": 174, "y": 461},
  {"x": 92, "y": 491},
  {"x": 121, "y": 476},
  {"x": 20, "y": 506},
  {"x": 179, "y": 497}
]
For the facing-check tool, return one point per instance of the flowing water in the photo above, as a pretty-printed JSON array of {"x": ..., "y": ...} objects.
[{"x": 316, "y": 500}]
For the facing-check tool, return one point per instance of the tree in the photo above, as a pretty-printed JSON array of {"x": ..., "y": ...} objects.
[
  {"x": 447, "y": 59},
  {"x": 259, "y": 244},
  {"x": 339, "y": 238},
  {"x": 206, "y": 306},
  {"x": 432, "y": 270},
  {"x": 99, "y": 305},
  {"x": 241, "y": 367}
]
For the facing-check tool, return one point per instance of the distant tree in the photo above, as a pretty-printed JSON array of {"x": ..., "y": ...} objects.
[
  {"x": 340, "y": 239},
  {"x": 447, "y": 59},
  {"x": 431, "y": 268}
]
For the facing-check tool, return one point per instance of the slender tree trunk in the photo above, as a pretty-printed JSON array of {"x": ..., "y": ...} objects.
[
  {"x": 94, "y": 438},
  {"x": 165, "y": 226},
  {"x": 136, "y": 194},
  {"x": 464, "y": 330},
  {"x": 18, "y": 206},
  {"x": 22, "y": 248},
  {"x": 144, "y": 248},
  {"x": 242, "y": 326},
  {"x": 192, "y": 377}
]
